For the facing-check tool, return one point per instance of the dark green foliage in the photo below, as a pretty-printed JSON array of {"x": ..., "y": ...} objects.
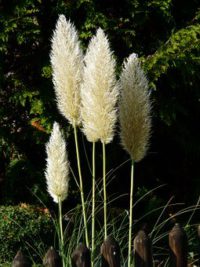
[
  {"x": 181, "y": 46},
  {"x": 27, "y": 105},
  {"x": 25, "y": 227}
]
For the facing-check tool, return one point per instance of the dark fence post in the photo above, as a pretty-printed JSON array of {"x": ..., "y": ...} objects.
[
  {"x": 52, "y": 258},
  {"x": 110, "y": 253},
  {"x": 20, "y": 260},
  {"x": 81, "y": 257},
  {"x": 142, "y": 250},
  {"x": 178, "y": 246}
]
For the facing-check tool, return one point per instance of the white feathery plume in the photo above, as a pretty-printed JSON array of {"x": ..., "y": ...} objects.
[
  {"x": 57, "y": 168},
  {"x": 134, "y": 109},
  {"x": 67, "y": 65},
  {"x": 99, "y": 91}
]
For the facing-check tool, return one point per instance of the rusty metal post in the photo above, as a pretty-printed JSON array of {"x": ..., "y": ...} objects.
[
  {"x": 20, "y": 260},
  {"x": 81, "y": 256},
  {"x": 52, "y": 258},
  {"x": 110, "y": 253},
  {"x": 142, "y": 250},
  {"x": 178, "y": 246}
]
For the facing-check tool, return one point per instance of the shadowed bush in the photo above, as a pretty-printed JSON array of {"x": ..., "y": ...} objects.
[{"x": 27, "y": 227}]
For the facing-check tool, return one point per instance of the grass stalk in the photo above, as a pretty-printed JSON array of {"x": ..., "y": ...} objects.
[
  {"x": 81, "y": 185},
  {"x": 130, "y": 214},
  {"x": 93, "y": 202},
  {"x": 61, "y": 238},
  {"x": 190, "y": 218},
  {"x": 104, "y": 190}
]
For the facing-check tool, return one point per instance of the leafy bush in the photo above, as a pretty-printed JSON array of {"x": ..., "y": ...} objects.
[{"x": 27, "y": 227}]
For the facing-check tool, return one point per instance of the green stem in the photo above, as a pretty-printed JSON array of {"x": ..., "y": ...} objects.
[
  {"x": 61, "y": 231},
  {"x": 81, "y": 186},
  {"x": 93, "y": 201},
  {"x": 130, "y": 214},
  {"x": 104, "y": 190}
]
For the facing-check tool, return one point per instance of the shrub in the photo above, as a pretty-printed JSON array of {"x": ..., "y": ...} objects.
[{"x": 27, "y": 227}]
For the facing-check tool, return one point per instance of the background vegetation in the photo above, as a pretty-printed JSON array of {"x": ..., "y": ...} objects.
[
  {"x": 25, "y": 227},
  {"x": 165, "y": 34}
]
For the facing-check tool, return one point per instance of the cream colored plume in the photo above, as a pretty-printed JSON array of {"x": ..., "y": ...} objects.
[
  {"x": 57, "y": 169},
  {"x": 67, "y": 65},
  {"x": 99, "y": 91},
  {"x": 134, "y": 109}
]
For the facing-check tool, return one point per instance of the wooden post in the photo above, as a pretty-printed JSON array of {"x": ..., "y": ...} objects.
[
  {"x": 178, "y": 246},
  {"x": 52, "y": 258},
  {"x": 20, "y": 260},
  {"x": 110, "y": 253},
  {"x": 142, "y": 250},
  {"x": 81, "y": 256}
]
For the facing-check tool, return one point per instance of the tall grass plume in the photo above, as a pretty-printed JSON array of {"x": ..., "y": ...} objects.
[
  {"x": 134, "y": 110},
  {"x": 57, "y": 169},
  {"x": 57, "y": 175},
  {"x": 99, "y": 91},
  {"x": 135, "y": 122},
  {"x": 67, "y": 64}
]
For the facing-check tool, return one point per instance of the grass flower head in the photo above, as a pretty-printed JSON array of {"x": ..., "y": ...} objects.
[
  {"x": 57, "y": 168},
  {"x": 134, "y": 110},
  {"x": 67, "y": 64},
  {"x": 99, "y": 91}
]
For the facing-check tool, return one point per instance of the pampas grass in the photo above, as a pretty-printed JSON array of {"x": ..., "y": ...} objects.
[
  {"x": 135, "y": 121},
  {"x": 87, "y": 93},
  {"x": 134, "y": 110},
  {"x": 99, "y": 91},
  {"x": 57, "y": 169},
  {"x": 99, "y": 94},
  {"x": 67, "y": 66},
  {"x": 57, "y": 175}
]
